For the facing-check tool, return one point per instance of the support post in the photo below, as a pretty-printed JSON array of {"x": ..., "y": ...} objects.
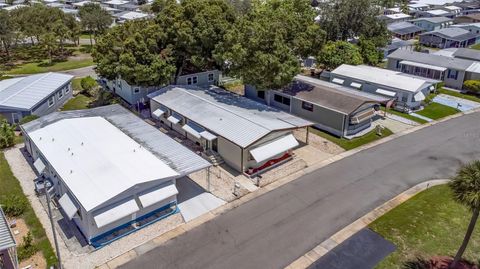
[
  {"x": 208, "y": 179},
  {"x": 53, "y": 225},
  {"x": 306, "y": 138}
]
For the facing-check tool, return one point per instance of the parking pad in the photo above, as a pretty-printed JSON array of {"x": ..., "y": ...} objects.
[{"x": 363, "y": 250}]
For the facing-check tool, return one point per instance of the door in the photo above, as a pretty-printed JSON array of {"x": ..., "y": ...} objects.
[{"x": 214, "y": 145}]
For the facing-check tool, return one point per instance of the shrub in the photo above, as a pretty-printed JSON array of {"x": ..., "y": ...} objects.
[
  {"x": 27, "y": 249},
  {"x": 14, "y": 205},
  {"x": 88, "y": 85},
  {"x": 28, "y": 118},
  {"x": 472, "y": 85},
  {"x": 7, "y": 135}
]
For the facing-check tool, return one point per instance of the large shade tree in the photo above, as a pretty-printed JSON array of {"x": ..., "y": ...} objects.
[
  {"x": 94, "y": 19},
  {"x": 465, "y": 186},
  {"x": 334, "y": 54},
  {"x": 266, "y": 44}
]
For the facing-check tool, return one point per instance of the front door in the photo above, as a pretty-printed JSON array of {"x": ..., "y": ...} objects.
[{"x": 214, "y": 145}]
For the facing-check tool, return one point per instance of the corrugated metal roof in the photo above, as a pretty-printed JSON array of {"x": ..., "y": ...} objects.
[
  {"x": 236, "y": 118},
  {"x": 470, "y": 54},
  {"x": 24, "y": 93},
  {"x": 175, "y": 155},
  {"x": 433, "y": 19},
  {"x": 426, "y": 58},
  {"x": 403, "y": 28},
  {"x": 6, "y": 237},
  {"x": 453, "y": 33}
]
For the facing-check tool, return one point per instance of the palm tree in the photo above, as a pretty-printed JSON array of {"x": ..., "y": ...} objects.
[{"x": 465, "y": 186}]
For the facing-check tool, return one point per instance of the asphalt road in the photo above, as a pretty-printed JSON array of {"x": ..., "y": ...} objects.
[{"x": 274, "y": 229}]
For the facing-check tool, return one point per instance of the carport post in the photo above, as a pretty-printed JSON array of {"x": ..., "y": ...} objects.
[
  {"x": 53, "y": 225},
  {"x": 306, "y": 138},
  {"x": 208, "y": 179}
]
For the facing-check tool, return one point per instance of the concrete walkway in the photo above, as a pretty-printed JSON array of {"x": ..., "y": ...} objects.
[{"x": 421, "y": 117}]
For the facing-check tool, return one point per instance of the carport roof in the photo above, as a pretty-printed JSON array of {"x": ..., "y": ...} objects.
[{"x": 6, "y": 237}]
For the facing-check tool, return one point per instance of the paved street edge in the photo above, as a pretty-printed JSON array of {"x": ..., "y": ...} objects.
[{"x": 137, "y": 251}]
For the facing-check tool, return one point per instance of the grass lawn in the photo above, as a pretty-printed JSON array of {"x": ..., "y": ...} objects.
[
  {"x": 76, "y": 103},
  {"x": 41, "y": 67},
  {"x": 436, "y": 111},
  {"x": 460, "y": 95},
  {"x": 76, "y": 84},
  {"x": 407, "y": 116},
  {"x": 10, "y": 185},
  {"x": 476, "y": 46},
  {"x": 429, "y": 224},
  {"x": 353, "y": 143}
]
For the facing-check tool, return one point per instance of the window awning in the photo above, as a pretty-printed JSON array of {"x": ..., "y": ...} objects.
[
  {"x": 419, "y": 96},
  {"x": 174, "y": 119},
  {"x": 158, "y": 195},
  {"x": 428, "y": 66},
  {"x": 68, "y": 206},
  {"x": 356, "y": 85},
  {"x": 338, "y": 81},
  {"x": 120, "y": 211},
  {"x": 208, "y": 136},
  {"x": 193, "y": 129},
  {"x": 385, "y": 92},
  {"x": 158, "y": 113},
  {"x": 362, "y": 116},
  {"x": 39, "y": 165},
  {"x": 273, "y": 148}
]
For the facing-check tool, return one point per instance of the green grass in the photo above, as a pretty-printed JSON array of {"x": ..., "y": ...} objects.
[
  {"x": 41, "y": 67},
  {"x": 355, "y": 142},
  {"x": 476, "y": 46},
  {"x": 76, "y": 103},
  {"x": 11, "y": 186},
  {"x": 407, "y": 116},
  {"x": 76, "y": 84},
  {"x": 429, "y": 224},
  {"x": 437, "y": 111},
  {"x": 460, "y": 95}
]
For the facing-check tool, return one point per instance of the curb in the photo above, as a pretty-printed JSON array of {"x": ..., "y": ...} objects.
[
  {"x": 323, "y": 248},
  {"x": 121, "y": 259}
]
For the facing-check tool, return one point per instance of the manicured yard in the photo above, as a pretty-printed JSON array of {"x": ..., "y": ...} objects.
[
  {"x": 476, "y": 46},
  {"x": 353, "y": 143},
  {"x": 429, "y": 224},
  {"x": 11, "y": 186},
  {"x": 436, "y": 111},
  {"x": 460, "y": 95},
  {"x": 42, "y": 67},
  {"x": 76, "y": 103},
  {"x": 407, "y": 116}
]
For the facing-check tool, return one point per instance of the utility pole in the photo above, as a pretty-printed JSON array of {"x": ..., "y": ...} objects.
[{"x": 51, "y": 222}]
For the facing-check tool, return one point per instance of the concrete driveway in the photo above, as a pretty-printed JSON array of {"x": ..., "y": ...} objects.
[{"x": 455, "y": 102}]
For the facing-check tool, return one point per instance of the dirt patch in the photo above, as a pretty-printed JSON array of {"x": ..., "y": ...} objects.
[
  {"x": 20, "y": 229},
  {"x": 36, "y": 261},
  {"x": 438, "y": 262},
  {"x": 318, "y": 142},
  {"x": 80, "y": 57}
]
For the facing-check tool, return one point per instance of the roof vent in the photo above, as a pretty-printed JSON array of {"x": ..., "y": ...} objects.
[
  {"x": 72, "y": 153},
  {"x": 81, "y": 144},
  {"x": 68, "y": 149},
  {"x": 53, "y": 139},
  {"x": 71, "y": 171}
]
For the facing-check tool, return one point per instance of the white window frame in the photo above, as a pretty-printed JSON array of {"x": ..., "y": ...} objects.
[
  {"x": 52, "y": 99},
  {"x": 212, "y": 75},
  {"x": 60, "y": 94},
  {"x": 67, "y": 89},
  {"x": 136, "y": 90}
]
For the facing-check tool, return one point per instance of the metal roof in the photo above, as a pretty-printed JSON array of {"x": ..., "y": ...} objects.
[
  {"x": 6, "y": 238},
  {"x": 470, "y": 54},
  {"x": 382, "y": 77},
  {"x": 25, "y": 93},
  {"x": 236, "y": 118},
  {"x": 175, "y": 155},
  {"x": 452, "y": 33},
  {"x": 432, "y": 59},
  {"x": 402, "y": 28},
  {"x": 433, "y": 19}
]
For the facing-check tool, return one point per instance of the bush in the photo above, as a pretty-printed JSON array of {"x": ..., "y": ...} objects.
[
  {"x": 472, "y": 85},
  {"x": 7, "y": 135},
  {"x": 89, "y": 85},
  {"x": 27, "y": 249},
  {"x": 14, "y": 205},
  {"x": 28, "y": 118}
]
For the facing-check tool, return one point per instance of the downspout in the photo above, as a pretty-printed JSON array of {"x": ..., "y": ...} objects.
[{"x": 241, "y": 162}]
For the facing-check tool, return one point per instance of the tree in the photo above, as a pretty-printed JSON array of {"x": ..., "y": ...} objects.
[
  {"x": 265, "y": 46},
  {"x": 7, "y": 134},
  {"x": 337, "y": 53},
  {"x": 472, "y": 85},
  {"x": 465, "y": 186},
  {"x": 371, "y": 55},
  {"x": 49, "y": 43},
  {"x": 94, "y": 19},
  {"x": 7, "y": 31}
]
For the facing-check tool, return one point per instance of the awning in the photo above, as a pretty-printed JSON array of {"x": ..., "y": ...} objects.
[
  {"x": 193, "y": 129},
  {"x": 68, "y": 206},
  {"x": 274, "y": 148},
  {"x": 385, "y": 92},
  {"x": 120, "y": 211},
  {"x": 158, "y": 113},
  {"x": 428, "y": 66},
  {"x": 158, "y": 195},
  {"x": 39, "y": 165},
  {"x": 174, "y": 119},
  {"x": 208, "y": 136},
  {"x": 338, "y": 81},
  {"x": 419, "y": 96},
  {"x": 356, "y": 85},
  {"x": 362, "y": 116}
]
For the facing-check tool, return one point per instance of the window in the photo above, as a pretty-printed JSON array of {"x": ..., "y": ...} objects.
[
  {"x": 405, "y": 98},
  {"x": 307, "y": 106},
  {"x": 210, "y": 77},
  {"x": 261, "y": 94},
  {"x": 189, "y": 81},
  {"x": 136, "y": 90},
  {"x": 398, "y": 64},
  {"x": 194, "y": 80},
  {"x": 281, "y": 99},
  {"x": 67, "y": 89},
  {"x": 60, "y": 94},
  {"x": 51, "y": 101},
  {"x": 453, "y": 74}
]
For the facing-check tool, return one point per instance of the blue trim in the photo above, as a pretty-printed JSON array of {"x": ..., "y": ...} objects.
[{"x": 98, "y": 245}]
